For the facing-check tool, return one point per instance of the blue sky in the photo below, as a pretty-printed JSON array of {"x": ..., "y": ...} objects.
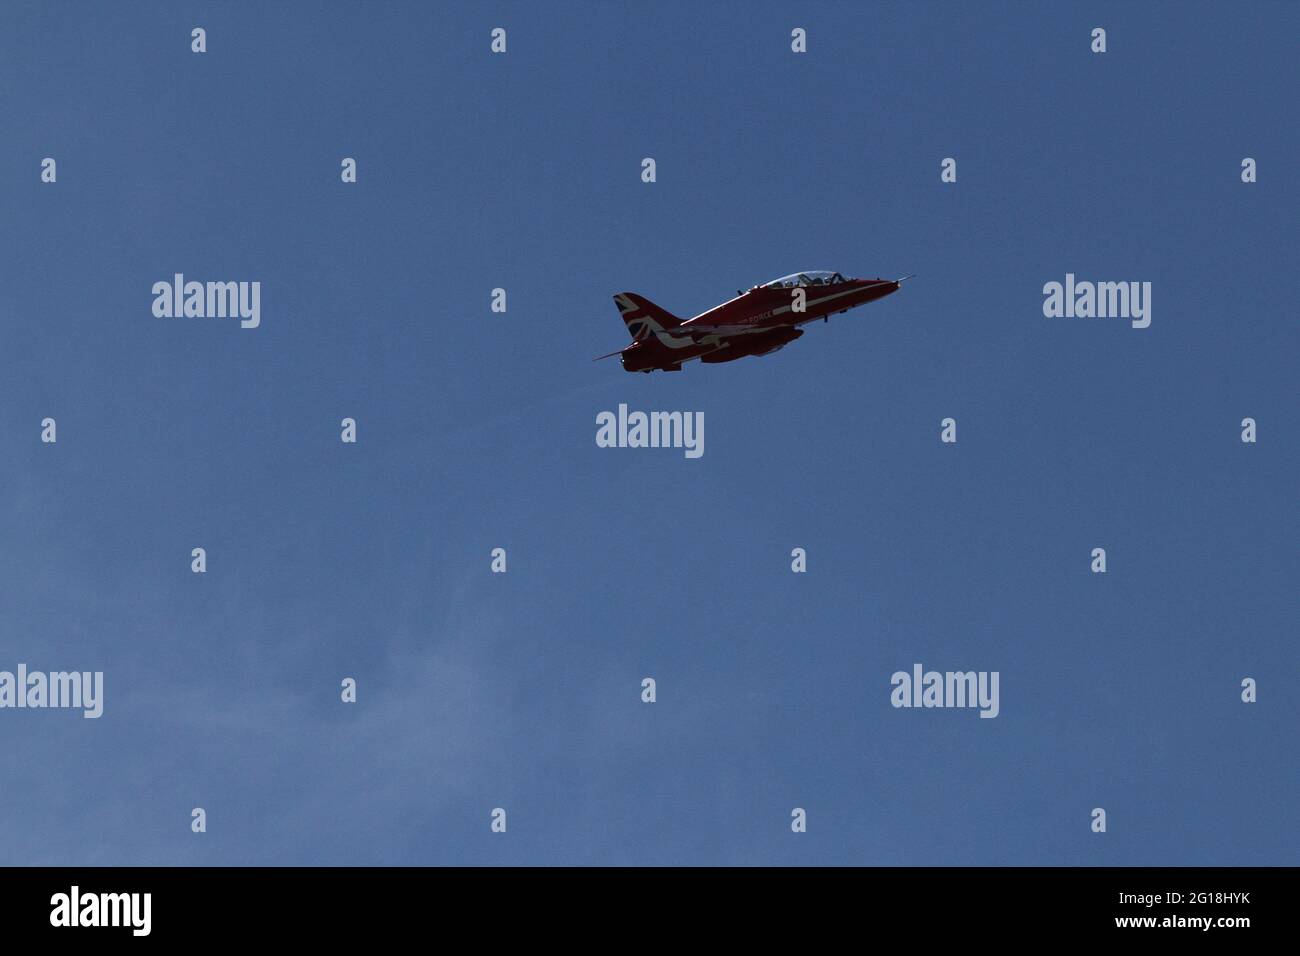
[{"x": 476, "y": 430}]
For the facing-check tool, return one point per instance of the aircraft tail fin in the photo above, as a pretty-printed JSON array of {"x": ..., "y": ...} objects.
[{"x": 642, "y": 316}]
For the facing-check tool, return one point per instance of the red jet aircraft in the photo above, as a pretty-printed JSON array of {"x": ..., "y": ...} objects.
[{"x": 762, "y": 320}]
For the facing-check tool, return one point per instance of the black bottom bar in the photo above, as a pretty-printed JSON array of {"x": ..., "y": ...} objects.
[{"x": 925, "y": 904}]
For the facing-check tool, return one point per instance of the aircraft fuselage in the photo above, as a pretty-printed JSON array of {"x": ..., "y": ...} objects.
[{"x": 762, "y": 320}]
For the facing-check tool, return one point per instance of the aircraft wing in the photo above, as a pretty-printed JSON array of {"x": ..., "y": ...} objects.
[{"x": 702, "y": 331}]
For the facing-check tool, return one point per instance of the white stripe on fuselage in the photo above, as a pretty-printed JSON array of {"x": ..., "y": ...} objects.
[
  {"x": 686, "y": 326},
  {"x": 837, "y": 295},
  {"x": 669, "y": 340}
]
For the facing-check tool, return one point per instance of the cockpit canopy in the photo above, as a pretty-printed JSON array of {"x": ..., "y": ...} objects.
[{"x": 798, "y": 279}]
